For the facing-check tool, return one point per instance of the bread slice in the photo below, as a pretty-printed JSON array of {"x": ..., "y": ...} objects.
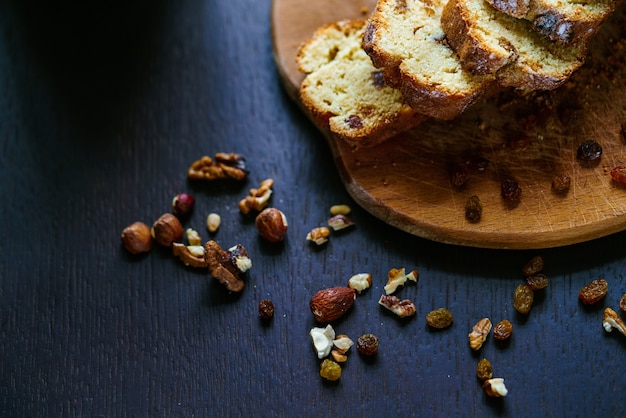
[
  {"x": 566, "y": 21},
  {"x": 491, "y": 42},
  {"x": 345, "y": 93},
  {"x": 406, "y": 40}
]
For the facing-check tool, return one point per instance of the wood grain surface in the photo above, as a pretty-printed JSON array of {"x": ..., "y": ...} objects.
[
  {"x": 407, "y": 181},
  {"x": 103, "y": 109}
]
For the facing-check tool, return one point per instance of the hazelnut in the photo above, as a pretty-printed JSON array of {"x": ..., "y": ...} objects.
[
  {"x": 167, "y": 229},
  {"x": 271, "y": 224},
  {"x": 182, "y": 204},
  {"x": 136, "y": 238}
]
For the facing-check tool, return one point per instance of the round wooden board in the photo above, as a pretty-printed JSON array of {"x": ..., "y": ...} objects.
[{"x": 406, "y": 181}]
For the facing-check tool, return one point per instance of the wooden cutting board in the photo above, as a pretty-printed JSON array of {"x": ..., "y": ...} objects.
[{"x": 406, "y": 181}]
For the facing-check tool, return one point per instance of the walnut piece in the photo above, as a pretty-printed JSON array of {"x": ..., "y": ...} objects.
[
  {"x": 224, "y": 166},
  {"x": 339, "y": 222},
  {"x": 401, "y": 308},
  {"x": 494, "y": 387},
  {"x": 318, "y": 235},
  {"x": 612, "y": 320},
  {"x": 360, "y": 282},
  {"x": 397, "y": 278},
  {"x": 227, "y": 266},
  {"x": 257, "y": 199},
  {"x": 479, "y": 333},
  {"x": 191, "y": 255}
]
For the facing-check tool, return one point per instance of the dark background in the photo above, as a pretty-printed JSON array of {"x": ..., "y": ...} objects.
[{"x": 103, "y": 106}]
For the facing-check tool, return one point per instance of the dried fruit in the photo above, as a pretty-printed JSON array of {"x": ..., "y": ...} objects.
[
  {"x": 257, "y": 199},
  {"x": 339, "y": 222},
  {"x": 561, "y": 183},
  {"x": 271, "y": 224},
  {"x": 322, "y": 339},
  {"x": 510, "y": 190},
  {"x": 360, "y": 282},
  {"x": 503, "y": 330},
  {"x": 439, "y": 318},
  {"x": 397, "y": 278},
  {"x": 537, "y": 281},
  {"x": 266, "y": 309},
  {"x": 340, "y": 210},
  {"x": 225, "y": 166},
  {"x": 479, "y": 333},
  {"x": 593, "y": 291},
  {"x": 494, "y": 387},
  {"x": 622, "y": 302},
  {"x": 484, "y": 370},
  {"x": 611, "y": 320},
  {"x": 182, "y": 204},
  {"x": 402, "y": 308},
  {"x": 330, "y": 304},
  {"x": 367, "y": 344},
  {"x": 136, "y": 238},
  {"x": 523, "y": 299},
  {"x": 589, "y": 151},
  {"x": 618, "y": 174},
  {"x": 167, "y": 229},
  {"x": 318, "y": 235},
  {"x": 533, "y": 266},
  {"x": 473, "y": 209},
  {"x": 459, "y": 178},
  {"x": 330, "y": 370}
]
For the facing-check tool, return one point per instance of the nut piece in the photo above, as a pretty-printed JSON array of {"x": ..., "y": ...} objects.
[
  {"x": 593, "y": 292},
  {"x": 622, "y": 302},
  {"x": 367, "y": 344},
  {"x": 360, "y": 282},
  {"x": 439, "y": 318},
  {"x": 494, "y": 387},
  {"x": 257, "y": 199},
  {"x": 266, "y": 309},
  {"x": 339, "y": 222},
  {"x": 227, "y": 266},
  {"x": 484, "y": 370},
  {"x": 213, "y": 221},
  {"x": 401, "y": 308},
  {"x": 343, "y": 343},
  {"x": 167, "y": 230},
  {"x": 191, "y": 255},
  {"x": 182, "y": 204},
  {"x": 397, "y": 278},
  {"x": 340, "y": 210},
  {"x": 225, "y": 166},
  {"x": 318, "y": 235},
  {"x": 193, "y": 237},
  {"x": 329, "y": 304},
  {"x": 612, "y": 320},
  {"x": 338, "y": 356},
  {"x": 271, "y": 224},
  {"x": 322, "y": 339},
  {"x": 136, "y": 238},
  {"x": 479, "y": 334}
]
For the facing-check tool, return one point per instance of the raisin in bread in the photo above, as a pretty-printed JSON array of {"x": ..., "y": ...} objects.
[
  {"x": 565, "y": 21},
  {"x": 344, "y": 93},
  {"x": 406, "y": 40},
  {"x": 491, "y": 42}
]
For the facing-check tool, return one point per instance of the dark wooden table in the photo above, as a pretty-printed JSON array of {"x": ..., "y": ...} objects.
[{"x": 103, "y": 108}]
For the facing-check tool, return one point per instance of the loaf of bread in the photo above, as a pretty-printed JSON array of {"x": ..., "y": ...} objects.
[
  {"x": 565, "y": 21},
  {"x": 405, "y": 39},
  {"x": 488, "y": 41},
  {"x": 344, "y": 93}
]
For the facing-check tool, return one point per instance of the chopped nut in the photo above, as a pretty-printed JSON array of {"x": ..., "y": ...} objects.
[
  {"x": 322, "y": 339},
  {"x": 622, "y": 302},
  {"x": 136, "y": 238},
  {"x": 479, "y": 333},
  {"x": 340, "y": 210},
  {"x": 213, "y": 221},
  {"x": 612, "y": 320},
  {"x": 484, "y": 370},
  {"x": 225, "y": 166},
  {"x": 227, "y": 266},
  {"x": 360, "y": 282},
  {"x": 397, "y": 278},
  {"x": 191, "y": 255},
  {"x": 401, "y": 308},
  {"x": 193, "y": 237},
  {"x": 494, "y": 387},
  {"x": 257, "y": 199},
  {"x": 339, "y": 222},
  {"x": 343, "y": 343},
  {"x": 318, "y": 235},
  {"x": 271, "y": 224},
  {"x": 167, "y": 230},
  {"x": 338, "y": 356}
]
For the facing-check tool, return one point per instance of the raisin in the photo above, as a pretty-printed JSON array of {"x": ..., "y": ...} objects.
[
  {"x": 503, "y": 330},
  {"x": 484, "y": 370},
  {"x": 266, "y": 309},
  {"x": 479, "y": 164},
  {"x": 519, "y": 142},
  {"x": 367, "y": 344},
  {"x": 439, "y": 318},
  {"x": 589, "y": 151},
  {"x": 537, "y": 281},
  {"x": 459, "y": 178},
  {"x": 533, "y": 266},
  {"x": 511, "y": 190},
  {"x": 378, "y": 79},
  {"x": 593, "y": 291},
  {"x": 561, "y": 183},
  {"x": 545, "y": 24},
  {"x": 473, "y": 209},
  {"x": 523, "y": 299},
  {"x": 622, "y": 302},
  {"x": 354, "y": 122},
  {"x": 330, "y": 370},
  {"x": 618, "y": 174}
]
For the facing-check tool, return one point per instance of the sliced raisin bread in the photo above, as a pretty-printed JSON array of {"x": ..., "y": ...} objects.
[
  {"x": 565, "y": 21},
  {"x": 406, "y": 40},
  {"x": 491, "y": 42},
  {"x": 344, "y": 93}
]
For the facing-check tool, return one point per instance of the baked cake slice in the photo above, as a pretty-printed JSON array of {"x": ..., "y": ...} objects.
[{"x": 344, "y": 93}]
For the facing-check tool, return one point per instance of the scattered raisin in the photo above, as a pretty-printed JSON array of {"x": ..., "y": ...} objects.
[
  {"x": 537, "y": 281},
  {"x": 484, "y": 370},
  {"x": 622, "y": 302},
  {"x": 593, "y": 292},
  {"x": 378, "y": 79},
  {"x": 473, "y": 209},
  {"x": 618, "y": 174},
  {"x": 367, "y": 344},
  {"x": 533, "y": 266},
  {"x": 459, "y": 178},
  {"x": 330, "y": 370},
  {"x": 511, "y": 190},
  {"x": 354, "y": 122},
  {"x": 523, "y": 300},
  {"x": 589, "y": 151},
  {"x": 479, "y": 164},
  {"x": 439, "y": 318},
  {"x": 503, "y": 330},
  {"x": 266, "y": 309},
  {"x": 561, "y": 183}
]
